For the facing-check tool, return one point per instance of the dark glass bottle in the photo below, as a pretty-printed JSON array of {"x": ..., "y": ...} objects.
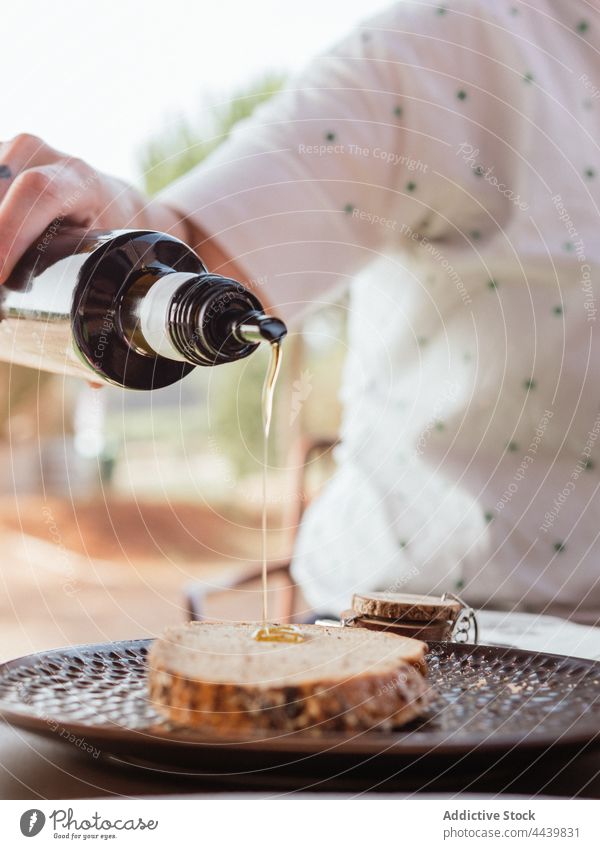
[{"x": 130, "y": 307}]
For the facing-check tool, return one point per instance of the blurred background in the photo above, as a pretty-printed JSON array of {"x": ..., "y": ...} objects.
[{"x": 113, "y": 502}]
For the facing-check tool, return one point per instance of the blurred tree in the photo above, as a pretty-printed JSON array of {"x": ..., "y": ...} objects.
[{"x": 182, "y": 146}]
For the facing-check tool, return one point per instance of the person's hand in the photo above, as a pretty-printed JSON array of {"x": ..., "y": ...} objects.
[{"x": 39, "y": 185}]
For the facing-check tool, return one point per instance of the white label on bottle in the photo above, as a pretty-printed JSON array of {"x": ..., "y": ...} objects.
[{"x": 154, "y": 314}]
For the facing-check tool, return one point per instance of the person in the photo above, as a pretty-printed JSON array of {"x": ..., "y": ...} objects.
[{"x": 441, "y": 162}]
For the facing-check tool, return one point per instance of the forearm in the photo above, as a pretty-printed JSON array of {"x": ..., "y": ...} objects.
[{"x": 161, "y": 217}]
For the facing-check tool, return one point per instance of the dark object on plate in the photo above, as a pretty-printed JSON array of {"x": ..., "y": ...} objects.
[
  {"x": 414, "y": 608},
  {"x": 419, "y": 630},
  {"x": 491, "y": 704},
  {"x": 421, "y": 616}
]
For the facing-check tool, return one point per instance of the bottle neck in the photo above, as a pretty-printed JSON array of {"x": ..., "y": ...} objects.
[
  {"x": 154, "y": 310},
  {"x": 205, "y": 319}
]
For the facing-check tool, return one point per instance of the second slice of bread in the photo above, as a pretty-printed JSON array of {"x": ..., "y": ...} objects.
[{"x": 413, "y": 608}]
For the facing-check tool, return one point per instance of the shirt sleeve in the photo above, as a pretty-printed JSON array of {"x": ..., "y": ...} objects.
[{"x": 309, "y": 189}]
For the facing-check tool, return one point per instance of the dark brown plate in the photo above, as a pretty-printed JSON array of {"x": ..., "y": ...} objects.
[{"x": 490, "y": 700}]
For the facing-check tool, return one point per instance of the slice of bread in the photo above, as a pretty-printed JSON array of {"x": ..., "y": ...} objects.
[
  {"x": 438, "y": 630},
  {"x": 415, "y": 608},
  {"x": 215, "y": 677}
]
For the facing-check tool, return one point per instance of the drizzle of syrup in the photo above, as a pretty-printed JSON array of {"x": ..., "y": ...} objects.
[
  {"x": 270, "y": 633},
  {"x": 278, "y": 634}
]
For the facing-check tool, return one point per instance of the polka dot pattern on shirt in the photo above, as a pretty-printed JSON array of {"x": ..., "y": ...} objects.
[{"x": 464, "y": 99}]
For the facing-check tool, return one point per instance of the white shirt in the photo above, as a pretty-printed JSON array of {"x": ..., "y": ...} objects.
[{"x": 443, "y": 162}]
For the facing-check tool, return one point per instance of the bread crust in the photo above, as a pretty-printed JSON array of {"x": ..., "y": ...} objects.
[
  {"x": 397, "y": 606},
  {"x": 359, "y": 704},
  {"x": 383, "y": 698}
]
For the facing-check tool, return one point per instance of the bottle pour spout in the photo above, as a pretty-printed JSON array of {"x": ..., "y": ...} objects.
[{"x": 259, "y": 327}]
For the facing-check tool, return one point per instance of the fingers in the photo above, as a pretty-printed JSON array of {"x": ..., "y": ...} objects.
[
  {"x": 39, "y": 185},
  {"x": 24, "y": 151},
  {"x": 36, "y": 197}
]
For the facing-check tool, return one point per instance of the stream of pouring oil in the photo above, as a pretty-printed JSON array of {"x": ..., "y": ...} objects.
[{"x": 268, "y": 632}]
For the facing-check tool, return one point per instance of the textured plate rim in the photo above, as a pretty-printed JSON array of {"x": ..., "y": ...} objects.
[{"x": 582, "y": 732}]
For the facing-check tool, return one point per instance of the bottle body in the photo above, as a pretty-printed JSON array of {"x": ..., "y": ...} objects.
[{"x": 133, "y": 308}]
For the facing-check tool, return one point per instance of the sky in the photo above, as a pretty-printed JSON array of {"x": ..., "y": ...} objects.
[{"x": 98, "y": 79}]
